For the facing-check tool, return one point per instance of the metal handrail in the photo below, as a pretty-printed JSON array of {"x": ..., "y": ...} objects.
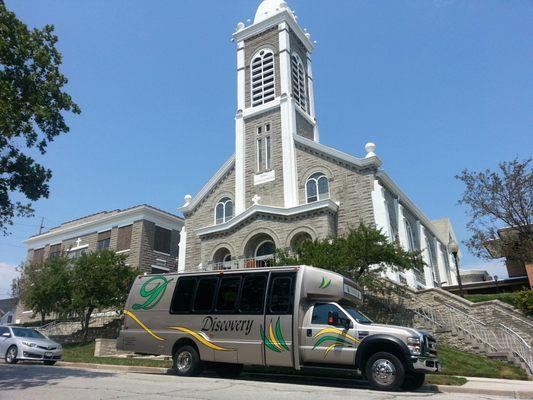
[{"x": 498, "y": 338}]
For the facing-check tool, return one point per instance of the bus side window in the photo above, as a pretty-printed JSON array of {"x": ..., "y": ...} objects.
[
  {"x": 183, "y": 296},
  {"x": 205, "y": 294},
  {"x": 253, "y": 294},
  {"x": 281, "y": 293},
  {"x": 227, "y": 294}
]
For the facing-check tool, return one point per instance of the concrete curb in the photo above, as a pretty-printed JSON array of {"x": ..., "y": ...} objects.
[
  {"x": 113, "y": 367},
  {"x": 428, "y": 388},
  {"x": 496, "y": 392}
]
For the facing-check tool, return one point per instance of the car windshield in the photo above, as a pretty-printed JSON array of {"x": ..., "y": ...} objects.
[
  {"x": 359, "y": 317},
  {"x": 27, "y": 333}
]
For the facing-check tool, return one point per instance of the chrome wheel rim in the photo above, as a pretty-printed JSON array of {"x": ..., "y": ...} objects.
[
  {"x": 383, "y": 371},
  {"x": 11, "y": 354},
  {"x": 184, "y": 361}
]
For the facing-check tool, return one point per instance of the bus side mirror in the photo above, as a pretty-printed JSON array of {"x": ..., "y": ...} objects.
[
  {"x": 333, "y": 318},
  {"x": 6, "y": 335}
]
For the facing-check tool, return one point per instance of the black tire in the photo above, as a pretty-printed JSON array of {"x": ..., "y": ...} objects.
[
  {"x": 186, "y": 361},
  {"x": 49, "y": 362},
  {"x": 385, "y": 371},
  {"x": 11, "y": 355},
  {"x": 413, "y": 381},
  {"x": 228, "y": 370}
]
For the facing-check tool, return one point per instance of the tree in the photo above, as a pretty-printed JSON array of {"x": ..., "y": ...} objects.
[
  {"x": 99, "y": 280},
  {"x": 31, "y": 106},
  {"x": 45, "y": 288},
  {"x": 361, "y": 255},
  {"x": 496, "y": 200}
]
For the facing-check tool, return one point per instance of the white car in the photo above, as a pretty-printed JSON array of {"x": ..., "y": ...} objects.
[{"x": 25, "y": 344}]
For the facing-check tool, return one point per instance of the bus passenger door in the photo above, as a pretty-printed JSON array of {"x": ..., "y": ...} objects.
[{"x": 276, "y": 331}]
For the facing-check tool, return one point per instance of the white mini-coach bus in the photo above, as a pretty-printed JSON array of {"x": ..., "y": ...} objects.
[{"x": 300, "y": 317}]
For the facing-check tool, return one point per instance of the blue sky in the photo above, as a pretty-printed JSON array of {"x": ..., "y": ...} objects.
[{"x": 438, "y": 86}]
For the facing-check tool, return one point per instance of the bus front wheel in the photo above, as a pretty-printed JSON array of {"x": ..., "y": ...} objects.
[
  {"x": 385, "y": 371},
  {"x": 186, "y": 361}
]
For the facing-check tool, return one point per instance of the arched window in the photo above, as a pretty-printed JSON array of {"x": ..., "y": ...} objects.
[
  {"x": 317, "y": 187},
  {"x": 298, "y": 81},
  {"x": 224, "y": 210},
  {"x": 262, "y": 77}
]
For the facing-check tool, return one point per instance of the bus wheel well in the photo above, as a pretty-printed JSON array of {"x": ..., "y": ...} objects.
[
  {"x": 184, "y": 342},
  {"x": 375, "y": 347}
]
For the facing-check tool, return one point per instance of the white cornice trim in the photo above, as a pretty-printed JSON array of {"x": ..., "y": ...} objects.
[
  {"x": 226, "y": 167},
  {"x": 57, "y": 235},
  {"x": 355, "y": 161},
  {"x": 263, "y": 108},
  {"x": 408, "y": 203},
  {"x": 268, "y": 23},
  {"x": 279, "y": 211}
]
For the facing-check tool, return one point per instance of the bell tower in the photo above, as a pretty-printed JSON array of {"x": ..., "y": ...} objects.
[{"x": 275, "y": 102}]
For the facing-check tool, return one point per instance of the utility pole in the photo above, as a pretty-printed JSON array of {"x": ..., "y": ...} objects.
[{"x": 41, "y": 227}]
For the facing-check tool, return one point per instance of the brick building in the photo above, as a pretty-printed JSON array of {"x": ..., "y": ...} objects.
[
  {"x": 282, "y": 184},
  {"x": 149, "y": 237}
]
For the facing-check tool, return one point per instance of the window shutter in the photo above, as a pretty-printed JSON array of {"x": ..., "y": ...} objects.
[
  {"x": 124, "y": 237},
  {"x": 38, "y": 256},
  {"x": 104, "y": 235}
]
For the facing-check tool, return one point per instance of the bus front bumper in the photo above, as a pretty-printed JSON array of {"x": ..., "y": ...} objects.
[{"x": 426, "y": 365}]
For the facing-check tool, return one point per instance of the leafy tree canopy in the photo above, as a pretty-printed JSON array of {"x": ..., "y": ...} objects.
[
  {"x": 45, "y": 288},
  {"x": 31, "y": 104},
  {"x": 362, "y": 255},
  {"x": 496, "y": 200},
  {"x": 99, "y": 280}
]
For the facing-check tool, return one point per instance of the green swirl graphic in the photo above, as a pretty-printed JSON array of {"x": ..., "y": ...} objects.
[{"x": 154, "y": 294}]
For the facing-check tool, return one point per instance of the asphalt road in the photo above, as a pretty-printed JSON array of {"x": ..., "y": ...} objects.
[{"x": 25, "y": 381}]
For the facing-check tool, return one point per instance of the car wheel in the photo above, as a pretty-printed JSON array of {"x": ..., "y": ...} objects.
[
  {"x": 11, "y": 355},
  {"x": 49, "y": 362},
  {"x": 186, "y": 361},
  {"x": 385, "y": 371},
  {"x": 413, "y": 381},
  {"x": 228, "y": 370}
]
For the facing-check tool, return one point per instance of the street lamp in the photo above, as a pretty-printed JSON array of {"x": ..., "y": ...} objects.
[{"x": 454, "y": 248}]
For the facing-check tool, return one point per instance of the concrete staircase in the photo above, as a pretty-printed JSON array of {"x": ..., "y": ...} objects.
[
  {"x": 493, "y": 329},
  {"x": 69, "y": 331}
]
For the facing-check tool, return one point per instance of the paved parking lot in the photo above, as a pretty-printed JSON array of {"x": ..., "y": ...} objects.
[{"x": 30, "y": 382}]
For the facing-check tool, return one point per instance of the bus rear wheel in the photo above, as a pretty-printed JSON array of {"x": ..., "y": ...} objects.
[
  {"x": 186, "y": 361},
  {"x": 228, "y": 370}
]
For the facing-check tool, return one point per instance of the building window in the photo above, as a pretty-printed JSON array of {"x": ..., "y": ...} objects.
[
  {"x": 298, "y": 81},
  {"x": 224, "y": 210},
  {"x": 73, "y": 254},
  {"x": 124, "y": 238},
  {"x": 104, "y": 240},
  {"x": 162, "y": 240},
  {"x": 55, "y": 251},
  {"x": 410, "y": 236},
  {"x": 264, "y": 146},
  {"x": 317, "y": 187},
  {"x": 262, "y": 77},
  {"x": 38, "y": 256},
  {"x": 432, "y": 259}
]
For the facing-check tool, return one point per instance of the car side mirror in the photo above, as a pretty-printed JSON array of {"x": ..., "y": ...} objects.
[
  {"x": 333, "y": 318},
  {"x": 6, "y": 335}
]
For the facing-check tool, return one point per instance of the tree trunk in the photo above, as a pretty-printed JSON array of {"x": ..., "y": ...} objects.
[
  {"x": 43, "y": 318},
  {"x": 87, "y": 318}
]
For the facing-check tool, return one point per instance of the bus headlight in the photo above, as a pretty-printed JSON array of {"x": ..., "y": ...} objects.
[{"x": 414, "y": 345}]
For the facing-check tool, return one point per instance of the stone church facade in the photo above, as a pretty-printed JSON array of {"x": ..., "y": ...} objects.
[{"x": 282, "y": 185}]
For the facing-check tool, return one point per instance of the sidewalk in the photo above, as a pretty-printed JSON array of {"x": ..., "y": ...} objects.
[
  {"x": 483, "y": 386},
  {"x": 488, "y": 386}
]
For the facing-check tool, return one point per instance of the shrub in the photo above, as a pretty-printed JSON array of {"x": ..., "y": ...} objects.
[{"x": 524, "y": 301}]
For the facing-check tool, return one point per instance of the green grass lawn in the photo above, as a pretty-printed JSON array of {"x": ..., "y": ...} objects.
[
  {"x": 454, "y": 363},
  {"x": 509, "y": 298}
]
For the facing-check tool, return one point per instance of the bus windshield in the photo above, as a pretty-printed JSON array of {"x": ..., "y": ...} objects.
[{"x": 358, "y": 316}]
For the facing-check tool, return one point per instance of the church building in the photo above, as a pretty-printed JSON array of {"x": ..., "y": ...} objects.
[{"x": 282, "y": 185}]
